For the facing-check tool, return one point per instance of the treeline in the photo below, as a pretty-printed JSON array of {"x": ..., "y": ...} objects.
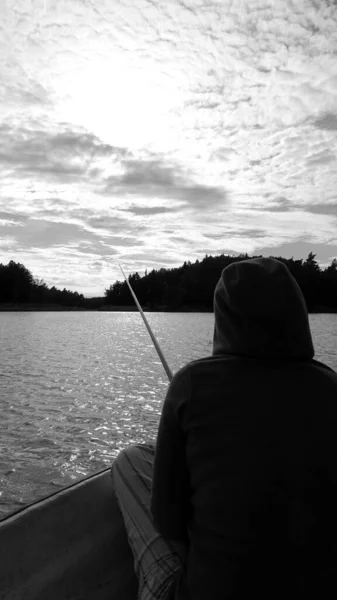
[
  {"x": 18, "y": 286},
  {"x": 191, "y": 286}
]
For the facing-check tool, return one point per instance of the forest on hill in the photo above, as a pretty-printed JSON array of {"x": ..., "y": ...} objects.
[
  {"x": 19, "y": 286},
  {"x": 186, "y": 288},
  {"x": 191, "y": 286}
]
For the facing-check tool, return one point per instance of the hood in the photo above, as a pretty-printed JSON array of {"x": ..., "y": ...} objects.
[{"x": 260, "y": 311}]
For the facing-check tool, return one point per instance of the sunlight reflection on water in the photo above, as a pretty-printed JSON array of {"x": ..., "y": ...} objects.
[{"x": 76, "y": 387}]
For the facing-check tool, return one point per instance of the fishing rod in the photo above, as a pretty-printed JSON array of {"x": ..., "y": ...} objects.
[{"x": 153, "y": 338}]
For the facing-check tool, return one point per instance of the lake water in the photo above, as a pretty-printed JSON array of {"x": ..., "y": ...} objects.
[{"x": 76, "y": 387}]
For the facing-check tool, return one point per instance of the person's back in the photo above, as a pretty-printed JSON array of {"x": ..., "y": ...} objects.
[{"x": 245, "y": 468}]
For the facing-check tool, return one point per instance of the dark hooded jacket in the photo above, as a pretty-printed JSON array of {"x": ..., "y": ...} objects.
[{"x": 245, "y": 468}]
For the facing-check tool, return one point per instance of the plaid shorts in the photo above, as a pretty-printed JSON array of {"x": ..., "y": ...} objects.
[{"x": 155, "y": 560}]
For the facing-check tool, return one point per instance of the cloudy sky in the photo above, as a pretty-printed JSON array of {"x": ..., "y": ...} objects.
[{"x": 156, "y": 131}]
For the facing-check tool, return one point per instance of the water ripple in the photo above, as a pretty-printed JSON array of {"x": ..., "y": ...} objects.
[{"x": 78, "y": 387}]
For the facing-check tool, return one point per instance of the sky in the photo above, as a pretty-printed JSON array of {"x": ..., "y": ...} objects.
[{"x": 151, "y": 132}]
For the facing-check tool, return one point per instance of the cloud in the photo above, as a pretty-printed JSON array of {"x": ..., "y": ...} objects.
[
  {"x": 150, "y": 210},
  {"x": 144, "y": 258},
  {"x": 300, "y": 249},
  {"x": 327, "y": 122},
  {"x": 128, "y": 128},
  {"x": 279, "y": 204},
  {"x": 12, "y": 218},
  {"x": 69, "y": 156},
  {"x": 155, "y": 178},
  {"x": 322, "y": 158},
  {"x": 41, "y": 234},
  {"x": 323, "y": 209},
  {"x": 244, "y": 231},
  {"x": 62, "y": 156},
  {"x": 96, "y": 264}
]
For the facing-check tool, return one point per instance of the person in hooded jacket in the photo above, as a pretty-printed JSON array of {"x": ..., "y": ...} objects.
[{"x": 238, "y": 497}]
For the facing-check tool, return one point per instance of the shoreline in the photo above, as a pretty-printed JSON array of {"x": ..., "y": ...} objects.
[
  {"x": 107, "y": 308},
  {"x": 128, "y": 308}
]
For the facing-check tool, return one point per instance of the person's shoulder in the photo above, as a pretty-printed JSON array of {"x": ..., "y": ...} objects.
[
  {"x": 324, "y": 369},
  {"x": 211, "y": 361},
  {"x": 185, "y": 379},
  {"x": 185, "y": 371},
  {"x": 201, "y": 367},
  {"x": 184, "y": 374}
]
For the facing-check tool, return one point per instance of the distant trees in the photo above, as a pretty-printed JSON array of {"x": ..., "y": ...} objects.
[
  {"x": 16, "y": 283},
  {"x": 18, "y": 286},
  {"x": 191, "y": 286},
  {"x": 332, "y": 269}
]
